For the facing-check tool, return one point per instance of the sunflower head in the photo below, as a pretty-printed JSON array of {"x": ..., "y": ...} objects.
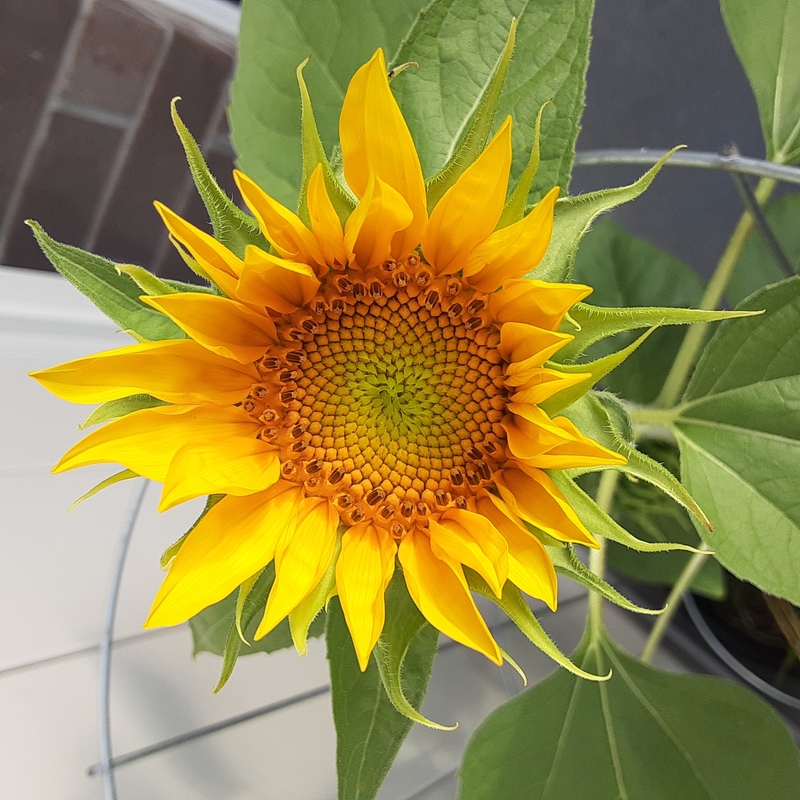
[{"x": 365, "y": 393}]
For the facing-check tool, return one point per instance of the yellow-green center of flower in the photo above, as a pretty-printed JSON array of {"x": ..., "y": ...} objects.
[{"x": 387, "y": 394}]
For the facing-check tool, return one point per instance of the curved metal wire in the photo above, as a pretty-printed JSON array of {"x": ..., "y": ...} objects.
[
  {"x": 691, "y": 158},
  {"x": 106, "y": 644}
]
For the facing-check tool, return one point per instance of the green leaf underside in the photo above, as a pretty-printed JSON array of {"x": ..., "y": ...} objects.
[
  {"x": 404, "y": 623},
  {"x": 567, "y": 563},
  {"x": 214, "y": 630},
  {"x": 117, "y": 296},
  {"x": 457, "y": 44},
  {"x": 597, "y": 370},
  {"x": 739, "y": 435},
  {"x": 574, "y": 215},
  {"x": 480, "y": 127},
  {"x": 275, "y": 37},
  {"x": 115, "y": 409},
  {"x": 756, "y": 267},
  {"x": 369, "y": 730},
  {"x": 643, "y": 735},
  {"x": 232, "y": 227},
  {"x": 766, "y": 36},
  {"x": 601, "y": 417}
]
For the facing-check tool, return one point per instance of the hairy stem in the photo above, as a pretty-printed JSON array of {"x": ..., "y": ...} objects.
[
  {"x": 597, "y": 558},
  {"x": 674, "y": 602},
  {"x": 696, "y": 335}
]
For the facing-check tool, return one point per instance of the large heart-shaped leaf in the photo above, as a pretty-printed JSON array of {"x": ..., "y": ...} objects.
[
  {"x": 739, "y": 434},
  {"x": 457, "y": 44},
  {"x": 643, "y": 735},
  {"x": 766, "y": 35},
  {"x": 275, "y": 36}
]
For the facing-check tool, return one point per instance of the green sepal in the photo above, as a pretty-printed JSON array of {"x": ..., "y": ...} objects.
[
  {"x": 404, "y": 624},
  {"x": 168, "y": 556},
  {"x": 244, "y": 591},
  {"x": 193, "y": 265},
  {"x": 574, "y": 215},
  {"x": 517, "y": 202},
  {"x": 314, "y": 154},
  {"x": 480, "y": 127},
  {"x": 306, "y": 612},
  {"x": 597, "y": 370},
  {"x": 124, "y": 475},
  {"x": 153, "y": 285},
  {"x": 601, "y": 416},
  {"x": 599, "y": 523},
  {"x": 514, "y": 605},
  {"x": 566, "y": 562},
  {"x": 116, "y": 409},
  {"x": 589, "y": 324},
  {"x": 117, "y": 296},
  {"x": 232, "y": 227}
]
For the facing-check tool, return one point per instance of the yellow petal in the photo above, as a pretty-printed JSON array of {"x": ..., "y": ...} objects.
[
  {"x": 376, "y": 141},
  {"x": 301, "y": 559},
  {"x": 221, "y": 265},
  {"x": 146, "y": 441},
  {"x": 230, "y": 544},
  {"x": 283, "y": 228},
  {"x": 544, "y": 383},
  {"x": 324, "y": 220},
  {"x": 275, "y": 282},
  {"x": 533, "y": 496},
  {"x": 513, "y": 251},
  {"x": 438, "y": 587},
  {"x": 536, "y": 302},
  {"x": 525, "y": 348},
  {"x": 179, "y": 371},
  {"x": 238, "y": 465},
  {"x": 371, "y": 228},
  {"x": 471, "y": 539},
  {"x": 576, "y": 451},
  {"x": 224, "y": 326},
  {"x": 363, "y": 572},
  {"x": 470, "y": 208},
  {"x": 529, "y": 566},
  {"x": 528, "y": 436}
]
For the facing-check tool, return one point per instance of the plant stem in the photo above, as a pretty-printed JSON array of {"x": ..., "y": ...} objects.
[
  {"x": 696, "y": 335},
  {"x": 652, "y": 416},
  {"x": 674, "y": 602},
  {"x": 597, "y": 558}
]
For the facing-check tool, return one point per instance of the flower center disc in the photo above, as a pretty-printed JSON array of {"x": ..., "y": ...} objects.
[{"x": 387, "y": 395}]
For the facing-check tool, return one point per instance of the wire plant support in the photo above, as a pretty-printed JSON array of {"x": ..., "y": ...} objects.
[{"x": 731, "y": 162}]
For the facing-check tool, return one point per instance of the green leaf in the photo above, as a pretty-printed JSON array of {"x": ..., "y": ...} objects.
[
  {"x": 153, "y": 285},
  {"x": 275, "y": 37},
  {"x": 766, "y": 36},
  {"x": 573, "y": 217},
  {"x": 566, "y": 562},
  {"x": 115, "y": 409},
  {"x": 457, "y": 44},
  {"x": 596, "y": 371},
  {"x": 477, "y": 133},
  {"x": 599, "y": 523},
  {"x": 739, "y": 435},
  {"x": 643, "y": 735},
  {"x": 117, "y": 296},
  {"x": 369, "y": 730},
  {"x": 211, "y": 628},
  {"x": 601, "y": 417},
  {"x": 231, "y": 225},
  {"x": 756, "y": 267}
]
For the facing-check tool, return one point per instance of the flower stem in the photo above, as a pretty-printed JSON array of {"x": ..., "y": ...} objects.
[
  {"x": 597, "y": 558},
  {"x": 696, "y": 335},
  {"x": 674, "y": 602}
]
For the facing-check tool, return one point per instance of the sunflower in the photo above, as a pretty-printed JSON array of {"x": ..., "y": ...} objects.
[{"x": 365, "y": 395}]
